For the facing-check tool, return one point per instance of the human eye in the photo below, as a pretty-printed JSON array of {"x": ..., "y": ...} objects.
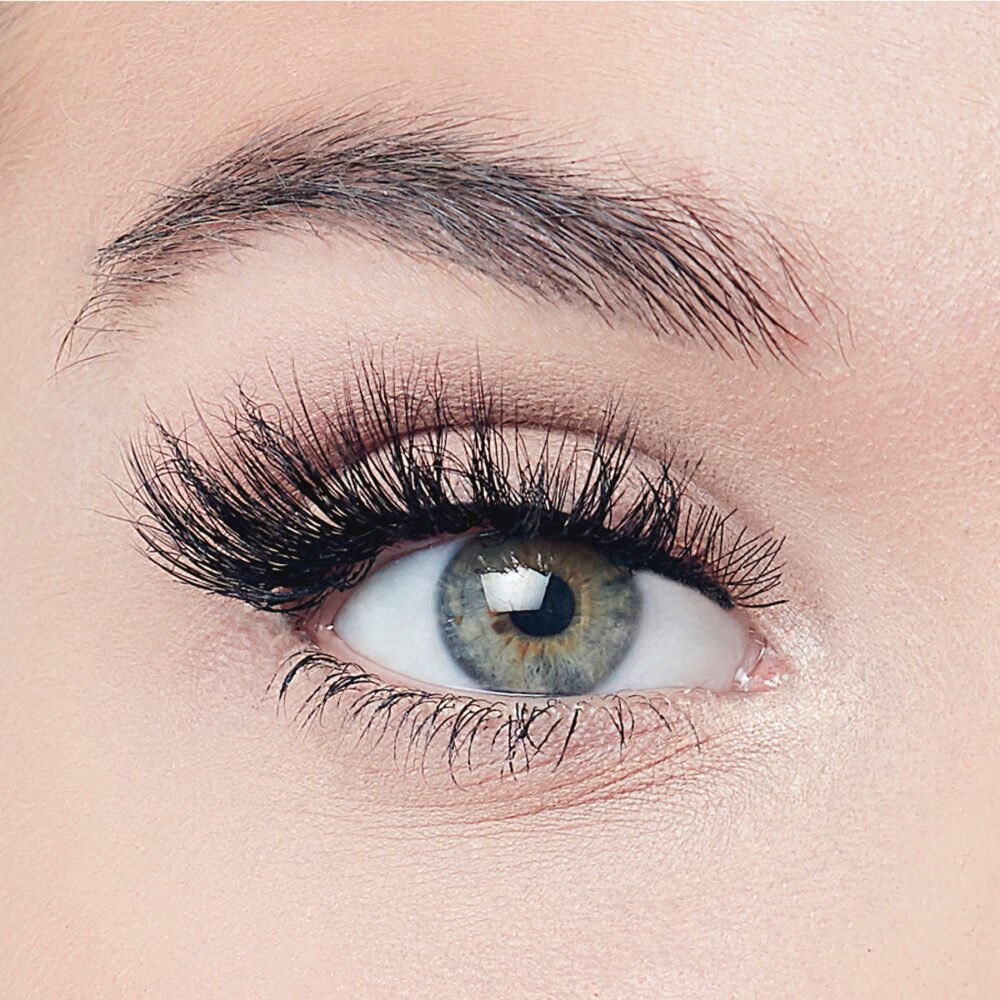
[
  {"x": 540, "y": 616},
  {"x": 455, "y": 567}
]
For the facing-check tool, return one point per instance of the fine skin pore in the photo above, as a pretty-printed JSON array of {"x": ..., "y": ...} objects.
[{"x": 167, "y": 831}]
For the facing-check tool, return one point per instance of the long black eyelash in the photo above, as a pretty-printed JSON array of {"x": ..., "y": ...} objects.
[{"x": 289, "y": 503}]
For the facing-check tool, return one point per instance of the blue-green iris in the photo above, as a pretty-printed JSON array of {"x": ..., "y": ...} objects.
[{"x": 566, "y": 644}]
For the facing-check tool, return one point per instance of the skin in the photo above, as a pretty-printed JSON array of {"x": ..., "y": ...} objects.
[{"x": 165, "y": 833}]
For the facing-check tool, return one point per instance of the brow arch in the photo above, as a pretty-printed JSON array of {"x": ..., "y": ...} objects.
[{"x": 442, "y": 187}]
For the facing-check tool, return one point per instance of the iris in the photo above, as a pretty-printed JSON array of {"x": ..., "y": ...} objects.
[{"x": 536, "y": 616}]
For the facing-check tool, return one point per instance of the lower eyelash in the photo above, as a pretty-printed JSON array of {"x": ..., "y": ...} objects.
[{"x": 473, "y": 734}]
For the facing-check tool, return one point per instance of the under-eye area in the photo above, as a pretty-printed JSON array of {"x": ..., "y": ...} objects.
[
  {"x": 472, "y": 737},
  {"x": 462, "y": 577}
]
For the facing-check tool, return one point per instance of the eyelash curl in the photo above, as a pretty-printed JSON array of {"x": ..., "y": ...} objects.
[{"x": 286, "y": 502}]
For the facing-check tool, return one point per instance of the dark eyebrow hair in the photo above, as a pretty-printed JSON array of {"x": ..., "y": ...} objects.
[{"x": 440, "y": 187}]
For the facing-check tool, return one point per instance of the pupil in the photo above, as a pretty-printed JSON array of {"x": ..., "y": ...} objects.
[{"x": 553, "y": 616}]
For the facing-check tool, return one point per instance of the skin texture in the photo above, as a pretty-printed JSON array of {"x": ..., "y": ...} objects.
[{"x": 164, "y": 833}]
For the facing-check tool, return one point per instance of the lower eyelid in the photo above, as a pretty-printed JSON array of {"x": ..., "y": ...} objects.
[
  {"x": 700, "y": 767},
  {"x": 479, "y": 741}
]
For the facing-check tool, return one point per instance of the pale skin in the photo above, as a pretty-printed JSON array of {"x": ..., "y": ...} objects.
[{"x": 165, "y": 833}]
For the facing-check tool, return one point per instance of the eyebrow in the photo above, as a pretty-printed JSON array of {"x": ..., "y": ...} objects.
[{"x": 679, "y": 261}]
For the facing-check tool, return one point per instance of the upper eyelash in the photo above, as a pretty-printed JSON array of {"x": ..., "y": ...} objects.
[{"x": 293, "y": 503}]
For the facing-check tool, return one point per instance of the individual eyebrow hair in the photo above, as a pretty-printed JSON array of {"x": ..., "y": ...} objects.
[{"x": 442, "y": 187}]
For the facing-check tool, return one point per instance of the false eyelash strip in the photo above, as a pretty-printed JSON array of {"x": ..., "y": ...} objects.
[{"x": 285, "y": 502}]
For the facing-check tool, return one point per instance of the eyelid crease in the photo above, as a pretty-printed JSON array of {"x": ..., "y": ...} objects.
[{"x": 295, "y": 503}]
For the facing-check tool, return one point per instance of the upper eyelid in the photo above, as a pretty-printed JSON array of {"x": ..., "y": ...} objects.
[
  {"x": 672, "y": 257},
  {"x": 300, "y": 466}
]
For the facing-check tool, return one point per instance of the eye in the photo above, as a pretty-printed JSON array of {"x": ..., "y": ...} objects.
[
  {"x": 536, "y": 616},
  {"x": 433, "y": 547}
]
